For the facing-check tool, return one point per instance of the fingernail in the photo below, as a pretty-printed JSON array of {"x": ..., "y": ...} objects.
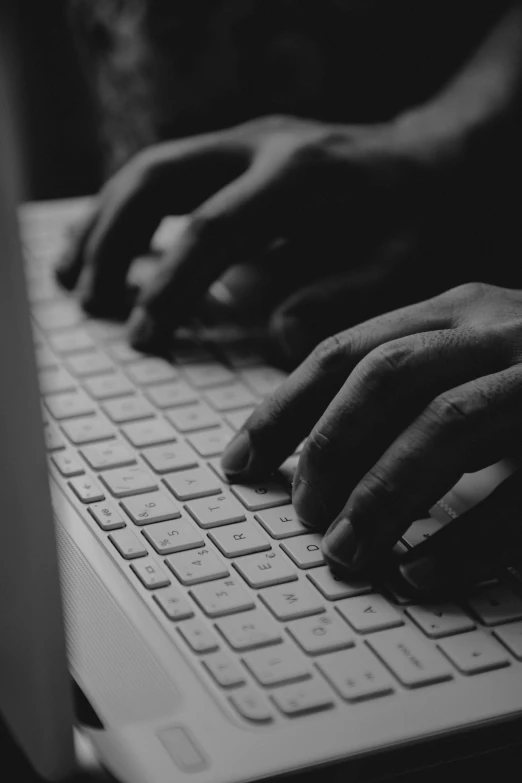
[
  {"x": 308, "y": 505},
  {"x": 341, "y": 543},
  {"x": 143, "y": 330},
  {"x": 423, "y": 574},
  {"x": 237, "y": 454}
]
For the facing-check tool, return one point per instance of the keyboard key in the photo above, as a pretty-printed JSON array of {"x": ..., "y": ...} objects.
[
  {"x": 106, "y": 516},
  {"x": 224, "y": 670},
  {"x": 264, "y": 495},
  {"x": 69, "y": 405},
  {"x": 45, "y": 358},
  {"x": 277, "y": 665},
  {"x": 473, "y": 653},
  {"x": 199, "y": 638},
  {"x": 109, "y": 455},
  {"x": 212, "y": 442},
  {"x": 128, "y": 544},
  {"x": 191, "y": 484},
  {"x": 170, "y": 395},
  {"x": 152, "y": 432},
  {"x": 150, "y": 574},
  {"x": 511, "y": 636},
  {"x": 420, "y": 531},
  {"x": 323, "y": 633},
  {"x": 243, "y": 538},
  {"x": 249, "y": 631},
  {"x": 262, "y": 380},
  {"x": 222, "y": 597},
  {"x": 149, "y": 508},
  {"x": 173, "y": 604},
  {"x": 367, "y": 613},
  {"x": 58, "y": 315},
  {"x": 208, "y": 374},
  {"x": 236, "y": 419},
  {"x": 106, "y": 331},
  {"x": 251, "y": 705},
  {"x": 305, "y": 550},
  {"x": 292, "y": 601},
  {"x": 496, "y": 605},
  {"x": 122, "y": 482},
  {"x": 175, "y": 456},
  {"x": 173, "y": 536},
  {"x": 86, "y": 489},
  {"x": 265, "y": 568},
  {"x": 281, "y": 522},
  {"x": 104, "y": 387},
  {"x": 67, "y": 463},
  {"x": 122, "y": 352},
  {"x": 87, "y": 364},
  {"x": 228, "y": 398},
  {"x": 151, "y": 370},
  {"x": 214, "y": 511},
  {"x": 439, "y": 620},
  {"x": 191, "y": 418},
  {"x": 88, "y": 430},
  {"x": 333, "y": 588},
  {"x": 303, "y": 698},
  {"x": 128, "y": 409},
  {"x": 413, "y": 661},
  {"x": 55, "y": 381},
  {"x": 200, "y": 565},
  {"x": 356, "y": 675},
  {"x": 71, "y": 341}
]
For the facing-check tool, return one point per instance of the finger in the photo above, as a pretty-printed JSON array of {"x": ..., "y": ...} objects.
[
  {"x": 235, "y": 223},
  {"x": 70, "y": 266},
  {"x": 382, "y": 396},
  {"x": 472, "y": 547},
  {"x": 287, "y": 416},
  {"x": 170, "y": 178},
  {"x": 462, "y": 430}
]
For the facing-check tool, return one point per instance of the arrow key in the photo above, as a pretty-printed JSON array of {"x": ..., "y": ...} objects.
[{"x": 475, "y": 652}]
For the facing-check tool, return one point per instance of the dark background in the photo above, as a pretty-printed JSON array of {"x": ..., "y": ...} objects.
[{"x": 62, "y": 148}]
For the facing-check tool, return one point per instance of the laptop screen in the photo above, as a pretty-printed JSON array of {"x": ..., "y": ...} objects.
[{"x": 35, "y": 699}]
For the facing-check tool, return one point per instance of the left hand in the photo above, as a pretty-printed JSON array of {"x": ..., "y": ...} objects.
[{"x": 395, "y": 410}]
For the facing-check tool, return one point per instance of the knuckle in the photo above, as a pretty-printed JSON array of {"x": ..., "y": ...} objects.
[
  {"x": 468, "y": 292},
  {"x": 205, "y": 227},
  {"x": 319, "y": 447},
  {"x": 330, "y": 355},
  {"x": 450, "y": 413},
  {"x": 375, "y": 487},
  {"x": 388, "y": 359}
]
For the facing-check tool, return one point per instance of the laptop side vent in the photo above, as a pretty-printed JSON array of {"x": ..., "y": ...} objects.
[{"x": 108, "y": 658}]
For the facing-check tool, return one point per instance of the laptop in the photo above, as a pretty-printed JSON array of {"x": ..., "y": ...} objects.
[{"x": 197, "y": 619}]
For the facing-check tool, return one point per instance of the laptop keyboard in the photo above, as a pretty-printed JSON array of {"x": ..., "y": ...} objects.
[{"x": 228, "y": 570}]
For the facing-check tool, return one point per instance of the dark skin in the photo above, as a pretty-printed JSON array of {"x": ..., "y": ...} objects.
[{"x": 428, "y": 181}]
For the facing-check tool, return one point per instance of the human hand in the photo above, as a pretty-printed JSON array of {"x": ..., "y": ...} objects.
[
  {"x": 353, "y": 188},
  {"x": 395, "y": 410}
]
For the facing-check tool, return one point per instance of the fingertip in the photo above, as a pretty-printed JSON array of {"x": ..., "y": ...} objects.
[
  {"x": 308, "y": 505},
  {"x": 237, "y": 456},
  {"x": 145, "y": 334}
]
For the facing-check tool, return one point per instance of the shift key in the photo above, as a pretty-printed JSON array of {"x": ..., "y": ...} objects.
[{"x": 414, "y": 662}]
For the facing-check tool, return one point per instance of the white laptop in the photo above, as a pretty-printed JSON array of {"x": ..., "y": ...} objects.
[{"x": 202, "y": 625}]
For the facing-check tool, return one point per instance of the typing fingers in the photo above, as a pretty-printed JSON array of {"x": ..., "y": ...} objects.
[
  {"x": 169, "y": 178},
  {"x": 288, "y": 415},
  {"x": 470, "y": 548},
  {"x": 463, "y": 429},
  {"x": 234, "y": 223}
]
